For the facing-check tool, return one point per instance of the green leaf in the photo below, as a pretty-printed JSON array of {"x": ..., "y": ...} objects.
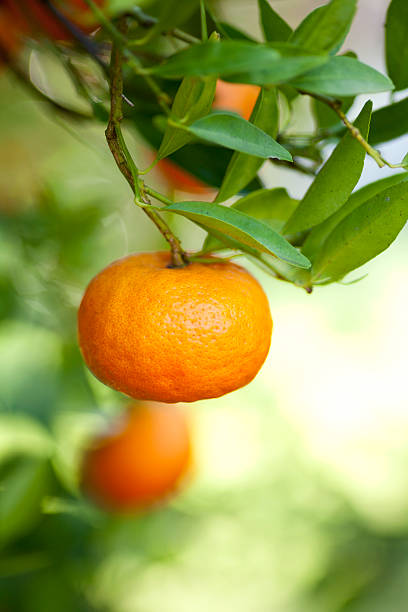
[
  {"x": 239, "y": 226},
  {"x": 325, "y": 28},
  {"x": 389, "y": 122},
  {"x": 173, "y": 13},
  {"x": 342, "y": 77},
  {"x": 226, "y": 29},
  {"x": 319, "y": 234},
  {"x": 242, "y": 167},
  {"x": 254, "y": 63},
  {"x": 396, "y": 49},
  {"x": 293, "y": 61},
  {"x": 272, "y": 206},
  {"x": 335, "y": 181},
  {"x": 193, "y": 100},
  {"x": 232, "y": 131},
  {"x": 273, "y": 26},
  {"x": 325, "y": 116},
  {"x": 23, "y": 488},
  {"x": 206, "y": 162},
  {"x": 231, "y": 32},
  {"x": 363, "y": 234}
]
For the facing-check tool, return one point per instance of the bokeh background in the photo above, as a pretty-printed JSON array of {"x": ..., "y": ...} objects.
[{"x": 299, "y": 501}]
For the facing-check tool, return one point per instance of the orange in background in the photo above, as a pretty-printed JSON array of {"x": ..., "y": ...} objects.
[
  {"x": 10, "y": 39},
  {"x": 235, "y": 97},
  {"x": 141, "y": 462},
  {"x": 30, "y": 17}
]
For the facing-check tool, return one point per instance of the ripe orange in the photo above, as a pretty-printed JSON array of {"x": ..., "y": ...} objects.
[
  {"x": 141, "y": 461},
  {"x": 228, "y": 96},
  {"x": 174, "y": 334},
  {"x": 29, "y": 17}
]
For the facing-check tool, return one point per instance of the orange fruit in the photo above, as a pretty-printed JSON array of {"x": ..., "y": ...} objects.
[
  {"x": 141, "y": 461},
  {"x": 235, "y": 97},
  {"x": 9, "y": 39},
  {"x": 174, "y": 334},
  {"x": 180, "y": 179},
  {"x": 30, "y": 17}
]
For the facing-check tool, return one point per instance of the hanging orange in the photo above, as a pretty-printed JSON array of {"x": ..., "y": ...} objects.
[{"x": 174, "y": 334}]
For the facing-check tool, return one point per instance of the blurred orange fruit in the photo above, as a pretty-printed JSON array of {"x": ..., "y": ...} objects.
[
  {"x": 141, "y": 461},
  {"x": 236, "y": 97},
  {"x": 228, "y": 96},
  {"x": 30, "y": 17},
  {"x": 174, "y": 334},
  {"x": 180, "y": 179},
  {"x": 10, "y": 41}
]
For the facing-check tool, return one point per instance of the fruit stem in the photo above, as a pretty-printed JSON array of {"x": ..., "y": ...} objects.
[{"x": 125, "y": 162}]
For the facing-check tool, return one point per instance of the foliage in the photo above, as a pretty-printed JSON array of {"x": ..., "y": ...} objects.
[
  {"x": 47, "y": 530},
  {"x": 174, "y": 87}
]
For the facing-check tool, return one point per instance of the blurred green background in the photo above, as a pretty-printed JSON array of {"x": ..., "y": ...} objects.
[{"x": 299, "y": 501}]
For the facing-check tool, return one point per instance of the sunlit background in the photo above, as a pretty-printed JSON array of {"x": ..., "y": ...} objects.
[{"x": 299, "y": 501}]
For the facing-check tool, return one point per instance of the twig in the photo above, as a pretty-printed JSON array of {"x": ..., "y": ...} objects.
[
  {"x": 355, "y": 132},
  {"x": 122, "y": 43},
  {"x": 294, "y": 164},
  {"x": 126, "y": 165},
  {"x": 85, "y": 41},
  {"x": 147, "y": 21}
]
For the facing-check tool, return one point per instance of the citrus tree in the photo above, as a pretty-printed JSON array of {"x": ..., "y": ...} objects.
[{"x": 215, "y": 105}]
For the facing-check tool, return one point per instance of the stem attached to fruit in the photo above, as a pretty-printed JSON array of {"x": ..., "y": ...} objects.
[{"x": 126, "y": 164}]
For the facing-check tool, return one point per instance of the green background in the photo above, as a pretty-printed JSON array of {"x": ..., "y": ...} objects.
[{"x": 299, "y": 499}]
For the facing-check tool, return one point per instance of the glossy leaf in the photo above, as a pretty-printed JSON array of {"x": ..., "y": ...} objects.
[
  {"x": 396, "y": 49},
  {"x": 242, "y": 167},
  {"x": 318, "y": 235},
  {"x": 254, "y": 63},
  {"x": 389, "y": 122},
  {"x": 241, "y": 227},
  {"x": 272, "y": 206},
  {"x": 273, "y": 26},
  {"x": 232, "y": 131},
  {"x": 193, "y": 100},
  {"x": 206, "y": 162},
  {"x": 335, "y": 181},
  {"x": 325, "y": 28},
  {"x": 342, "y": 77},
  {"x": 293, "y": 61},
  {"x": 363, "y": 234}
]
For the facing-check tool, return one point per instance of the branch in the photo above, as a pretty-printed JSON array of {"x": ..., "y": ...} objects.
[
  {"x": 147, "y": 21},
  {"x": 126, "y": 165},
  {"x": 355, "y": 132},
  {"x": 122, "y": 43}
]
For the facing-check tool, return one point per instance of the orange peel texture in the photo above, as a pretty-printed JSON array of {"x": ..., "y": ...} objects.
[{"x": 174, "y": 334}]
